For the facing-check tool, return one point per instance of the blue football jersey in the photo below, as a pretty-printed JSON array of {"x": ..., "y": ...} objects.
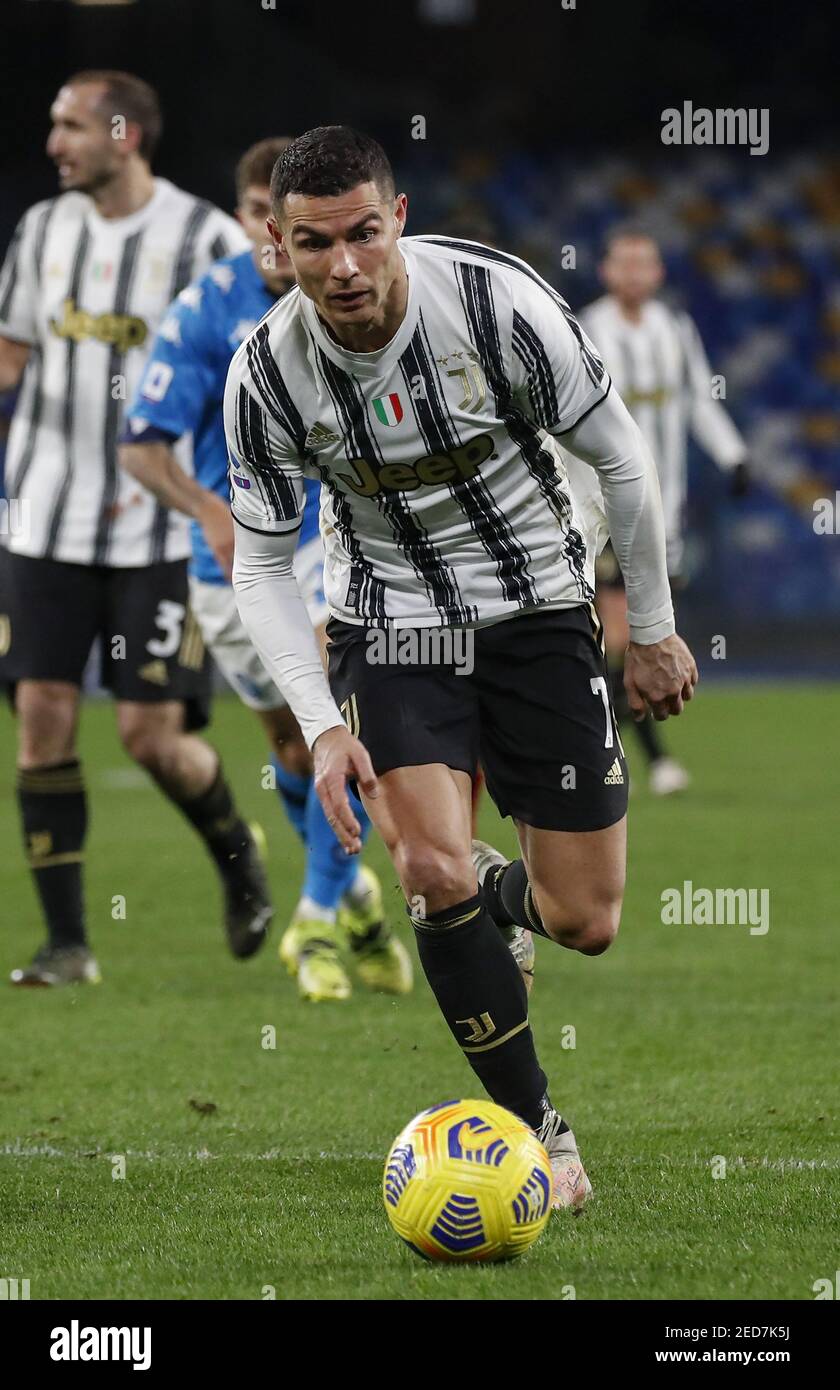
[{"x": 182, "y": 389}]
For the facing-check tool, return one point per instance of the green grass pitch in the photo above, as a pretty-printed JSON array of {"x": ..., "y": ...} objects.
[{"x": 693, "y": 1043}]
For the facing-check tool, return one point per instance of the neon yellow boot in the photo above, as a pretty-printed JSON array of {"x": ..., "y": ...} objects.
[
  {"x": 310, "y": 950},
  {"x": 382, "y": 962}
]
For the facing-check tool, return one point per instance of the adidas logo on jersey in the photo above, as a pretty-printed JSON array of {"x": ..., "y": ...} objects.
[
  {"x": 154, "y": 671},
  {"x": 615, "y": 777},
  {"x": 319, "y": 437}
]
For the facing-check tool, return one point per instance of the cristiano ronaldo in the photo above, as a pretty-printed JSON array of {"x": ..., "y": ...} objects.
[{"x": 433, "y": 386}]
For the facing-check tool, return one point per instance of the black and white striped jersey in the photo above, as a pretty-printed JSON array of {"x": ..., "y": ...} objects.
[
  {"x": 659, "y": 367},
  {"x": 444, "y": 497},
  {"x": 89, "y": 294}
]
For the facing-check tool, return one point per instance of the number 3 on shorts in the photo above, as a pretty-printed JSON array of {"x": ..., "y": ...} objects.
[{"x": 170, "y": 619}]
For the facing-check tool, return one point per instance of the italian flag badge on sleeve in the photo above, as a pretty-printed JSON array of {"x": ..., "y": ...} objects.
[{"x": 388, "y": 409}]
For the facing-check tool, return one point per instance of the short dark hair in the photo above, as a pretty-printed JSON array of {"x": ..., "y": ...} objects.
[
  {"x": 329, "y": 160},
  {"x": 257, "y": 163},
  {"x": 628, "y": 231},
  {"x": 131, "y": 97}
]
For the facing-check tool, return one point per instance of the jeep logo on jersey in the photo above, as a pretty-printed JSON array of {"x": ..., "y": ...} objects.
[
  {"x": 461, "y": 463},
  {"x": 123, "y": 330}
]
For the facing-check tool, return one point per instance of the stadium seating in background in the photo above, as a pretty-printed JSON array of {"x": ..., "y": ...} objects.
[{"x": 752, "y": 249}]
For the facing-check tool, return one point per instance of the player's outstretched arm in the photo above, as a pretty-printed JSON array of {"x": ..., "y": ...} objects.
[
  {"x": 20, "y": 297},
  {"x": 155, "y": 466},
  {"x": 659, "y": 671},
  {"x": 711, "y": 425},
  {"x": 659, "y": 677},
  {"x": 338, "y": 757},
  {"x": 275, "y": 616},
  {"x": 560, "y": 379},
  {"x": 266, "y": 471}
]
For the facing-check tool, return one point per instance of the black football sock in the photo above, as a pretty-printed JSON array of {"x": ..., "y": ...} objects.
[
  {"x": 618, "y": 694},
  {"x": 215, "y": 817},
  {"x": 481, "y": 994},
  {"x": 649, "y": 737},
  {"x": 509, "y": 899},
  {"x": 53, "y": 812}
]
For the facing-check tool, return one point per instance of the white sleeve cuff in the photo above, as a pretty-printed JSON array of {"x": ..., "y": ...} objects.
[
  {"x": 275, "y": 617},
  {"x": 647, "y": 628}
]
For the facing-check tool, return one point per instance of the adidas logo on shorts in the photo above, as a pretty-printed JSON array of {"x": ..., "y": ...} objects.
[
  {"x": 615, "y": 777},
  {"x": 154, "y": 671}
]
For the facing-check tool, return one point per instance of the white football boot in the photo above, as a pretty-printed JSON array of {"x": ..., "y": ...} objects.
[
  {"x": 667, "y": 776},
  {"x": 572, "y": 1187},
  {"x": 519, "y": 940}
]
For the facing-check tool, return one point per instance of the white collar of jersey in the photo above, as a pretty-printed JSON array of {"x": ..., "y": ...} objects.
[
  {"x": 129, "y": 224},
  {"x": 649, "y": 311},
  {"x": 370, "y": 364}
]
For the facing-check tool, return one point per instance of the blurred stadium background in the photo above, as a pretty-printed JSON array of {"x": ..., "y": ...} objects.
[{"x": 542, "y": 129}]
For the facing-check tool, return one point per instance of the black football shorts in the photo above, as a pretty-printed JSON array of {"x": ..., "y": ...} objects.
[
  {"x": 527, "y": 698},
  {"x": 51, "y": 612}
]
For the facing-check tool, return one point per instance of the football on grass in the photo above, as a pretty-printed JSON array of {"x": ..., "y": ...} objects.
[{"x": 467, "y": 1180}]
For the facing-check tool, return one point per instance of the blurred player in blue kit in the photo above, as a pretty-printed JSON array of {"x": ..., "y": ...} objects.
[{"x": 181, "y": 393}]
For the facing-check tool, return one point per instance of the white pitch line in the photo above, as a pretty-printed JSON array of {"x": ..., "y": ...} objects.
[
  {"x": 124, "y": 779},
  {"x": 18, "y": 1149}
]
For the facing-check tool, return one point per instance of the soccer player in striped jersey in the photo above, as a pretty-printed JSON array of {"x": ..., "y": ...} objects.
[
  {"x": 423, "y": 381},
  {"x": 659, "y": 367},
  {"x": 86, "y": 281},
  {"x": 181, "y": 393}
]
